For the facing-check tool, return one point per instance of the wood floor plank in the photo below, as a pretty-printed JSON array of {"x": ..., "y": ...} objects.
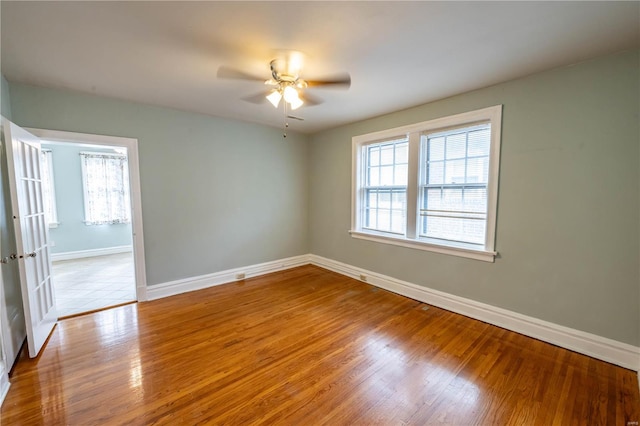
[{"x": 307, "y": 346}]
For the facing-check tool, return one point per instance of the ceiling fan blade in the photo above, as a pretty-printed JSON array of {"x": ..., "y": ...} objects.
[
  {"x": 232, "y": 73},
  {"x": 310, "y": 100},
  {"x": 295, "y": 118},
  {"x": 258, "y": 98},
  {"x": 343, "y": 80}
]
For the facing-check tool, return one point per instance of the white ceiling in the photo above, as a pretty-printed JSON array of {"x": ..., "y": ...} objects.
[{"x": 399, "y": 54}]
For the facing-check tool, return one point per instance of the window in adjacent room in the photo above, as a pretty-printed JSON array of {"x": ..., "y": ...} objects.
[
  {"x": 48, "y": 188},
  {"x": 431, "y": 185},
  {"x": 105, "y": 180}
]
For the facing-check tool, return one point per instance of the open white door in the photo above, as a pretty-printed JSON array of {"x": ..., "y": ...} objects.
[{"x": 23, "y": 158}]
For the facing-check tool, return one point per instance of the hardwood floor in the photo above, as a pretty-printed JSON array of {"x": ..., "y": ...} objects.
[{"x": 307, "y": 346}]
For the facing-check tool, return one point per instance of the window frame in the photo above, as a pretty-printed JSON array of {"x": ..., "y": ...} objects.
[{"x": 413, "y": 133}]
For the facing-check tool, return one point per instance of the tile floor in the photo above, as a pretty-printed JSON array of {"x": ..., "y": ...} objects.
[{"x": 93, "y": 283}]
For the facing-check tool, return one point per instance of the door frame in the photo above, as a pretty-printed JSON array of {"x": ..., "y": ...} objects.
[{"x": 135, "y": 192}]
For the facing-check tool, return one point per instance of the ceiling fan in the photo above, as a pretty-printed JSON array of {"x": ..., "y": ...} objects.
[{"x": 286, "y": 82}]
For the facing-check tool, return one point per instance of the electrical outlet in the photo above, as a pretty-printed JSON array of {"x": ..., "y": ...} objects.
[
  {"x": 52, "y": 243},
  {"x": 363, "y": 277},
  {"x": 240, "y": 276}
]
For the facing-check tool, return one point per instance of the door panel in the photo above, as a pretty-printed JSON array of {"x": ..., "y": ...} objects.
[
  {"x": 23, "y": 157},
  {"x": 12, "y": 310}
]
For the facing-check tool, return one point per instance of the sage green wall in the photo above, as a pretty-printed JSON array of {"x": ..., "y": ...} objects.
[
  {"x": 216, "y": 193},
  {"x": 568, "y": 211},
  {"x": 5, "y": 98}
]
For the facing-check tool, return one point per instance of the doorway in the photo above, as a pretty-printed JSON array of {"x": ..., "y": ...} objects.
[
  {"x": 31, "y": 231},
  {"x": 97, "y": 261},
  {"x": 87, "y": 207}
]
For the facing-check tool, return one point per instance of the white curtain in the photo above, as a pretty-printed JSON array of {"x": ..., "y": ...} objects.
[{"x": 106, "y": 188}]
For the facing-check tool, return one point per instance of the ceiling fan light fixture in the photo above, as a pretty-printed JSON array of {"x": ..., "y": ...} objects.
[
  {"x": 296, "y": 103},
  {"x": 291, "y": 94},
  {"x": 274, "y": 97}
]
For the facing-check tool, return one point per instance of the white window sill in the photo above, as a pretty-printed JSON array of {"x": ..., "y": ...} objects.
[{"x": 470, "y": 253}]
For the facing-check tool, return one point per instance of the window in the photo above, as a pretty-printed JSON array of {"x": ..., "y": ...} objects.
[
  {"x": 105, "y": 179},
  {"x": 431, "y": 185},
  {"x": 48, "y": 188},
  {"x": 385, "y": 188},
  {"x": 453, "y": 185}
]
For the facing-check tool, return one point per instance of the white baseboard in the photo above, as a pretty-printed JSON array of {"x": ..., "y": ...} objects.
[
  {"x": 608, "y": 350},
  {"x": 69, "y": 255},
  {"x": 223, "y": 277}
]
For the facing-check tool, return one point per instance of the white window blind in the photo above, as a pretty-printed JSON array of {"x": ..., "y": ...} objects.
[{"x": 105, "y": 179}]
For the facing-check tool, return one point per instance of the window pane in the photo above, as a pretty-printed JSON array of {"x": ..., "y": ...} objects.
[
  {"x": 384, "y": 199},
  {"x": 384, "y": 220},
  {"x": 432, "y": 199},
  {"x": 372, "y": 199},
  {"x": 398, "y": 222},
  {"x": 454, "y": 229},
  {"x": 479, "y": 142},
  {"x": 450, "y": 199},
  {"x": 371, "y": 220},
  {"x": 386, "y": 175},
  {"x": 436, "y": 149},
  {"x": 399, "y": 200},
  {"x": 454, "y": 171},
  {"x": 374, "y": 156},
  {"x": 472, "y": 200},
  {"x": 435, "y": 173},
  {"x": 475, "y": 200},
  {"x": 400, "y": 175},
  {"x": 477, "y": 170},
  {"x": 456, "y": 146},
  {"x": 374, "y": 176},
  {"x": 48, "y": 193},
  {"x": 402, "y": 153},
  {"x": 386, "y": 154}
]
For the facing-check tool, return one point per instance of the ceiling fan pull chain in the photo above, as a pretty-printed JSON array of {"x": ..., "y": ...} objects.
[{"x": 284, "y": 118}]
